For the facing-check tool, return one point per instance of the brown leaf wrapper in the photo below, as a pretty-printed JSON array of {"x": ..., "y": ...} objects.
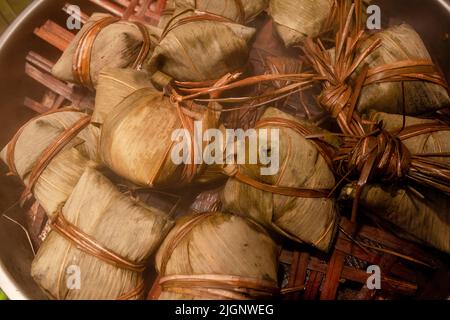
[
  {"x": 137, "y": 139},
  {"x": 114, "y": 85}
]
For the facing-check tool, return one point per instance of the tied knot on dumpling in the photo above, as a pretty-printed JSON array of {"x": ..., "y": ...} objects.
[{"x": 381, "y": 155}]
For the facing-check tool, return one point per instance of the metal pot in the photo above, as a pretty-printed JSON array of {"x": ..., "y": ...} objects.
[{"x": 431, "y": 18}]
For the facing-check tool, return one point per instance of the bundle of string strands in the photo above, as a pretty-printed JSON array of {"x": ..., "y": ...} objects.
[{"x": 373, "y": 153}]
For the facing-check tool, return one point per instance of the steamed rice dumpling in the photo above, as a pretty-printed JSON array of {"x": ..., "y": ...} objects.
[
  {"x": 50, "y": 153},
  {"x": 105, "y": 41},
  {"x": 197, "y": 48},
  {"x": 103, "y": 237},
  {"x": 137, "y": 140},
  {"x": 400, "y": 43},
  {"x": 114, "y": 85},
  {"x": 310, "y": 216},
  {"x": 241, "y": 11},
  {"x": 217, "y": 256},
  {"x": 426, "y": 217}
]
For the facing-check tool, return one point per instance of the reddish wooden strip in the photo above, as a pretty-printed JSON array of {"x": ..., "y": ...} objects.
[
  {"x": 39, "y": 61},
  {"x": 155, "y": 291},
  {"x": 49, "y": 81},
  {"x": 397, "y": 244},
  {"x": 313, "y": 285},
  {"x": 360, "y": 276},
  {"x": 34, "y": 105},
  {"x": 59, "y": 87},
  {"x": 55, "y": 35},
  {"x": 297, "y": 276},
  {"x": 63, "y": 32},
  {"x": 333, "y": 275}
]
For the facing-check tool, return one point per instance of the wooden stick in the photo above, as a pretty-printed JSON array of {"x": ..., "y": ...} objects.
[
  {"x": 130, "y": 10},
  {"x": 34, "y": 105},
  {"x": 55, "y": 35},
  {"x": 39, "y": 61},
  {"x": 297, "y": 276},
  {"x": 313, "y": 285},
  {"x": 360, "y": 276},
  {"x": 65, "y": 90}
]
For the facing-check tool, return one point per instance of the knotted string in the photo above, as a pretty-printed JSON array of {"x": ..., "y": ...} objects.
[{"x": 87, "y": 244}]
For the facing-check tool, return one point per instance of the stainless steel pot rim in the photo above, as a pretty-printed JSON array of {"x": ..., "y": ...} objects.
[{"x": 7, "y": 283}]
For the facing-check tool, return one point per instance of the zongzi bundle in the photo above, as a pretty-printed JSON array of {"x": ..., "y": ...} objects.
[
  {"x": 105, "y": 41},
  {"x": 295, "y": 201},
  {"x": 241, "y": 11},
  {"x": 51, "y": 152},
  {"x": 217, "y": 256},
  {"x": 114, "y": 85},
  {"x": 198, "y": 48},
  {"x": 103, "y": 237},
  {"x": 400, "y": 44},
  {"x": 139, "y": 136},
  {"x": 423, "y": 214}
]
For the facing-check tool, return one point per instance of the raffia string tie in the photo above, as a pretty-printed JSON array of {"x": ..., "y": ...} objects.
[
  {"x": 383, "y": 155},
  {"x": 89, "y": 245},
  {"x": 220, "y": 287}
]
